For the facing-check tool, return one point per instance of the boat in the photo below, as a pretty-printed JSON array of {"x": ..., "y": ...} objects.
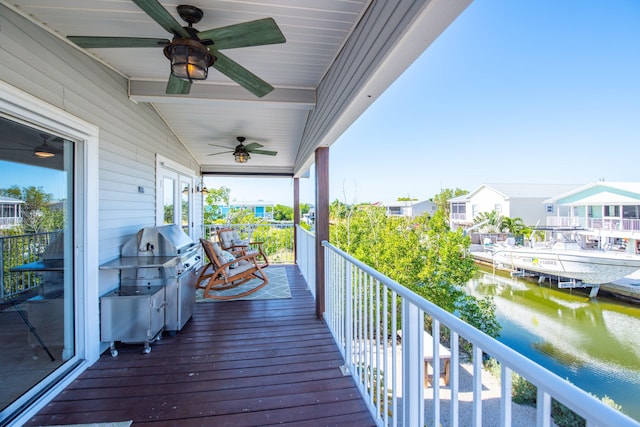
[{"x": 568, "y": 260}]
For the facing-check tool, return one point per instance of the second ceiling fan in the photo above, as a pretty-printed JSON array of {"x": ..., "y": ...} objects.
[
  {"x": 192, "y": 52},
  {"x": 242, "y": 153}
]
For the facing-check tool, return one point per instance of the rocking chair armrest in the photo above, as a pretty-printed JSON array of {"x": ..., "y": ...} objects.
[{"x": 249, "y": 257}]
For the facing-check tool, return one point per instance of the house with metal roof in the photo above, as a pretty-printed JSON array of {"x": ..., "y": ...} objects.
[
  {"x": 410, "y": 208},
  {"x": 525, "y": 201},
  {"x": 608, "y": 209}
]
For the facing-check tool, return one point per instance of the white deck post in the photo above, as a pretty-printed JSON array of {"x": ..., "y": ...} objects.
[{"x": 412, "y": 365}]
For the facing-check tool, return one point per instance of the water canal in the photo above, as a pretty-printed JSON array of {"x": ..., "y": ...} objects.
[{"x": 594, "y": 343}]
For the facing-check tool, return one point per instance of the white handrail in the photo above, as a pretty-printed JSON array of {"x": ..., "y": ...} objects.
[{"x": 356, "y": 315}]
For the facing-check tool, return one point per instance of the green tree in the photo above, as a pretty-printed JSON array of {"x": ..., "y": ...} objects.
[
  {"x": 304, "y": 208},
  {"x": 421, "y": 253},
  {"x": 282, "y": 213},
  {"x": 442, "y": 199},
  {"x": 492, "y": 221},
  {"x": 13, "y": 192},
  {"x": 514, "y": 226},
  {"x": 37, "y": 215},
  {"x": 215, "y": 198}
]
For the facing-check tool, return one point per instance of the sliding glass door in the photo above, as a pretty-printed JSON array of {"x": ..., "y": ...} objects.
[{"x": 37, "y": 312}]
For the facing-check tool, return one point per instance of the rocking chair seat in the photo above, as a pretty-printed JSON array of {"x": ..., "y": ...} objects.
[
  {"x": 230, "y": 241},
  {"x": 219, "y": 275}
]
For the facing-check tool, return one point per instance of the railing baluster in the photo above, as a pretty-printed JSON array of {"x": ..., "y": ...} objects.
[
  {"x": 394, "y": 357},
  {"x": 505, "y": 401},
  {"x": 477, "y": 386},
  {"x": 543, "y": 408},
  {"x": 378, "y": 346},
  {"x": 385, "y": 356},
  {"x": 454, "y": 381},
  {"x": 435, "y": 342}
]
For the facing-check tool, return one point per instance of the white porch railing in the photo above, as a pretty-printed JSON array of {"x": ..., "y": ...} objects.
[
  {"x": 306, "y": 256},
  {"x": 613, "y": 224},
  {"x": 19, "y": 250},
  {"x": 277, "y": 238},
  {"x": 365, "y": 310}
]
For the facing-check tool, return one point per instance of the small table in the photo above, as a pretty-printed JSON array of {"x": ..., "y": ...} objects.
[{"x": 443, "y": 354}]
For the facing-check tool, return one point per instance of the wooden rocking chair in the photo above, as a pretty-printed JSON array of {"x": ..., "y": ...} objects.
[
  {"x": 223, "y": 274},
  {"x": 231, "y": 241}
]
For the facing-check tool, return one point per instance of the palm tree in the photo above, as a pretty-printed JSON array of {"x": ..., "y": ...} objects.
[{"x": 492, "y": 221}]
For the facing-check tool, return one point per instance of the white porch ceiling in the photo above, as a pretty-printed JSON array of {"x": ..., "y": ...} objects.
[{"x": 340, "y": 55}]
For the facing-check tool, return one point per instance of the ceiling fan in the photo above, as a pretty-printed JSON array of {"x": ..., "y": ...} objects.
[
  {"x": 192, "y": 52},
  {"x": 242, "y": 153},
  {"x": 44, "y": 150}
]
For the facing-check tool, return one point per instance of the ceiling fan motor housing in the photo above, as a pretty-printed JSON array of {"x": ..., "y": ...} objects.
[{"x": 190, "y": 14}]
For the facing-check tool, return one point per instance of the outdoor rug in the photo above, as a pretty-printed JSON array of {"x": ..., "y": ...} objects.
[{"x": 277, "y": 288}]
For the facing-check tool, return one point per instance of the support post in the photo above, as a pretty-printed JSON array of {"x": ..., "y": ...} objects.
[
  {"x": 412, "y": 365},
  {"x": 322, "y": 223}
]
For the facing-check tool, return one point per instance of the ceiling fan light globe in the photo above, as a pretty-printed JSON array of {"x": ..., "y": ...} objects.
[
  {"x": 241, "y": 157},
  {"x": 190, "y": 59},
  {"x": 44, "y": 151}
]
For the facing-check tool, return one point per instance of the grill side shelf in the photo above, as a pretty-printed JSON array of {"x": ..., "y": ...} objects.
[{"x": 141, "y": 262}]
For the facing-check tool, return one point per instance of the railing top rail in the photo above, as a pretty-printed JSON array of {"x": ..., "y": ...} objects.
[
  {"x": 562, "y": 390},
  {"x": 305, "y": 230}
]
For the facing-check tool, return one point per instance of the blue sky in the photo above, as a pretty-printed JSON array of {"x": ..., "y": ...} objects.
[
  {"x": 50, "y": 180},
  {"x": 543, "y": 91}
]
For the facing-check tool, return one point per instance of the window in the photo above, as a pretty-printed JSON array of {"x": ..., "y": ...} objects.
[
  {"x": 175, "y": 189},
  {"x": 459, "y": 208},
  {"x": 631, "y": 212},
  {"x": 612, "y": 211},
  {"x": 395, "y": 210}
]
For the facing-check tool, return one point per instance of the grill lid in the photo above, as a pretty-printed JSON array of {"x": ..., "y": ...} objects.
[{"x": 164, "y": 240}]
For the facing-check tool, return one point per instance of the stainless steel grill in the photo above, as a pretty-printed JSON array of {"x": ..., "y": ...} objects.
[{"x": 162, "y": 256}]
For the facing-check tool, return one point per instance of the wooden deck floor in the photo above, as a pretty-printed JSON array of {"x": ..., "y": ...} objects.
[{"x": 239, "y": 363}]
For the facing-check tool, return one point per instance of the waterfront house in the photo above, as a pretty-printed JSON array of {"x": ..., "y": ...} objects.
[
  {"x": 608, "y": 212},
  {"x": 130, "y": 156},
  {"x": 410, "y": 208},
  {"x": 10, "y": 212},
  {"x": 260, "y": 209},
  {"x": 525, "y": 201}
]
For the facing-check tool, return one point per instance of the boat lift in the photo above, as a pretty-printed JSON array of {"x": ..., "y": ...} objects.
[{"x": 562, "y": 284}]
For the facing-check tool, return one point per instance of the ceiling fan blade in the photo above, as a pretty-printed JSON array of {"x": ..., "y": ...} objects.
[
  {"x": 159, "y": 14},
  {"x": 222, "y": 152},
  {"x": 240, "y": 75},
  {"x": 265, "y": 152},
  {"x": 177, "y": 86},
  {"x": 98, "y": 42},
  {"x": 253, "y": 146},
  {"x": 253, "y": 33},
  {"x": 223, "y": 146}
]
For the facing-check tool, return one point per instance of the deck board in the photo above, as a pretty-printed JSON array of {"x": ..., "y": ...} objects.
[{"x": 238, "y": 363}]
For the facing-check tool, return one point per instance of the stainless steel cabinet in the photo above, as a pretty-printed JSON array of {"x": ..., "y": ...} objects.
[{"x": 132, "y": 314}]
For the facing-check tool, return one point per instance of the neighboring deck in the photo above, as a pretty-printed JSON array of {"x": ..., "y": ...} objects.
[{"x": 239, "y": 363}]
